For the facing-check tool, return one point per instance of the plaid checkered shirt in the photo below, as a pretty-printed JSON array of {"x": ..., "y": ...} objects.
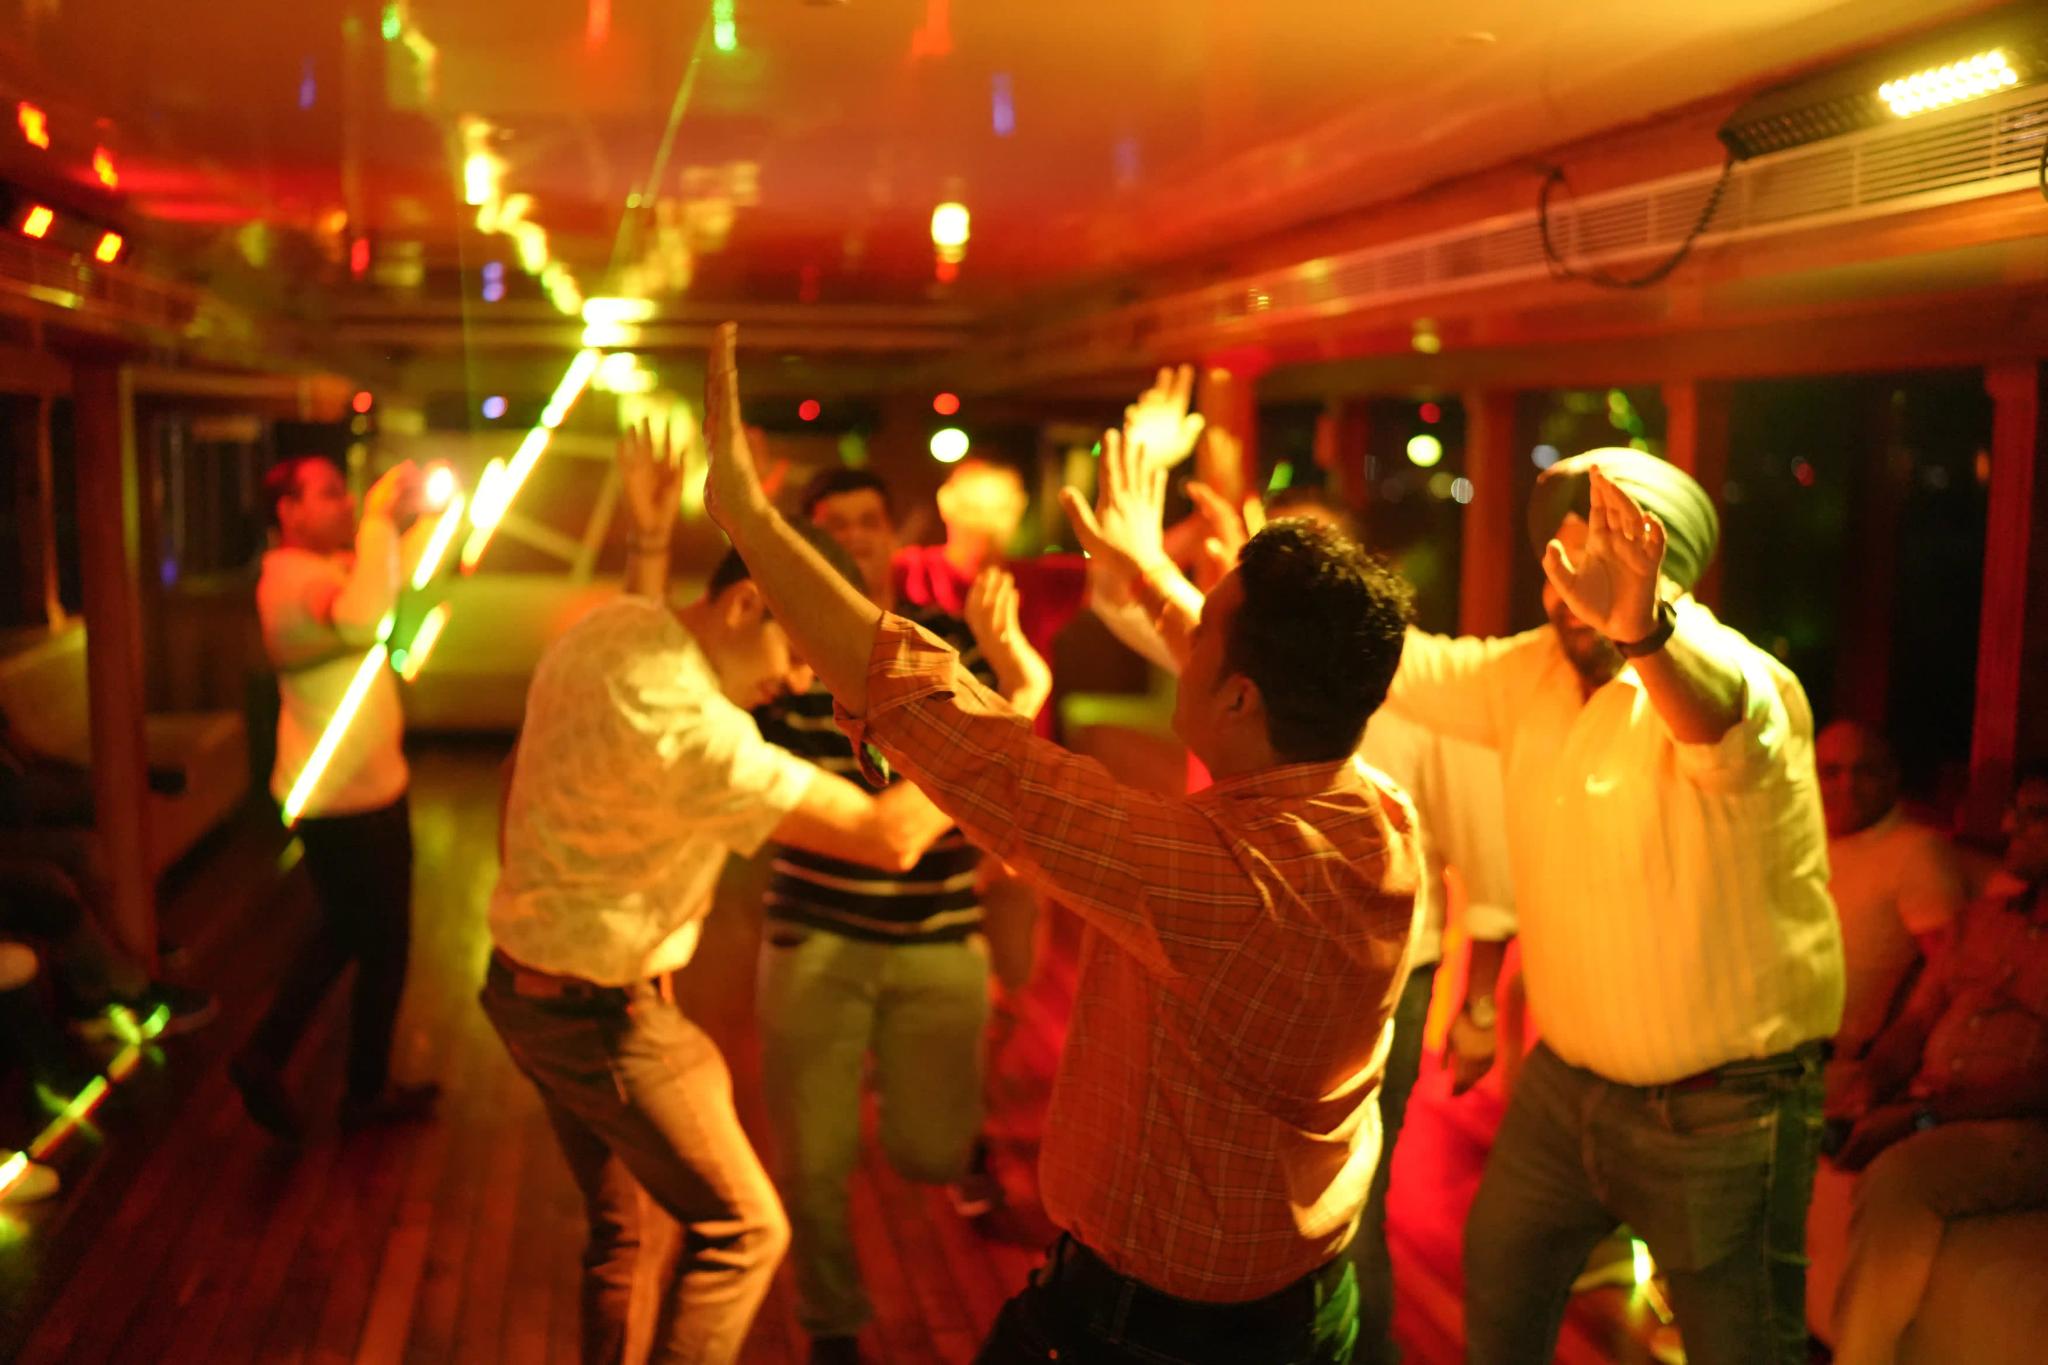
[{"x": 1213, "y": 1126}]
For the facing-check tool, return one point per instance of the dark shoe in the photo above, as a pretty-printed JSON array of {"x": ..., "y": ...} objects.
[
  {"x": 263, "y": 1095},
  {"x": 836, "y": 1351},
  {"x": 978, "y": 1193},
  {"x": 396, "y": 1104}
]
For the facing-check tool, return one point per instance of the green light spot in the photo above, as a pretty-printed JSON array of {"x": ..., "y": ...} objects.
[
  {"x": 725, "y": 30},
  {"x": 1283, "y": 477},
  {"x": 393, "y": 25}
]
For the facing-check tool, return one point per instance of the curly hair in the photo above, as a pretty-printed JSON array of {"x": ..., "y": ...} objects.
[{"x": 1319, "y": 632}]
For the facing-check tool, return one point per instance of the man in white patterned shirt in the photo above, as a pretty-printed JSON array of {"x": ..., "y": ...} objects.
[
  {"x": 1682, "y": 956},
  {"x": 638, "y": 772}
]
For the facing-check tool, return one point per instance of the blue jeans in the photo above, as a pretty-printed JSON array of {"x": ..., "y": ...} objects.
[
  {"x": 1715, "y": 1179},
  {"x": 1077, "y": 1311},
  {"x": 1369, "y": 1248}
]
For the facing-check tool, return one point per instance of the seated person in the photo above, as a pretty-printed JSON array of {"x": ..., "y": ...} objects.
[
  {"x": 40, "y": 901},
  {"x": 1951, "y": 1105},
  {"x": 1896, "y": 886}
]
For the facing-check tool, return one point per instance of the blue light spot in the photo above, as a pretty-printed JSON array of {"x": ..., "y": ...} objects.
[
  {"x": 494, "y": 406},
  {"x": 1004, "y": 110},
  {"x": 308, "y": 90}
]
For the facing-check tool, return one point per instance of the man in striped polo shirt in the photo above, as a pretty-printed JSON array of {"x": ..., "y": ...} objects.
[{"x": 856, "y": 962}]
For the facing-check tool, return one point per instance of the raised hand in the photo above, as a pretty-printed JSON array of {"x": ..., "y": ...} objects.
[
  {"x": 395, "y": 493},
  {"x": 1124, "y": 531},
  {"x": 1159, "y": 423},
  {"x": 1225, "y": 525},
  {"x": 991, "y": 608},
  {"x": 1614, "y": 583},
  {"x": 732, "y": 485},
  {"x": 651, "y": 472}
]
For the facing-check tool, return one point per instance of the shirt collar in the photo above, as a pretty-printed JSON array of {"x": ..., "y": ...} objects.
[{"x": 1287, "y": 780}]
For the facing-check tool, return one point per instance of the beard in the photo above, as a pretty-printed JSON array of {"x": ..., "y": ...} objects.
[{"x": 1592, "y": 655}]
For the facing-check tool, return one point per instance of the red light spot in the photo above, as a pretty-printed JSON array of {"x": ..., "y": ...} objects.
[
  {"x": 359, "y": 256},
  {"x": 946, "y": 404},
  {"x": 1431, "y": 412},
  {"x": 946, "y": 271},
  {"x": 363, "y": 400},
  {"x": 809, "y": 409},
  {"x": 1803, "y": 472}
]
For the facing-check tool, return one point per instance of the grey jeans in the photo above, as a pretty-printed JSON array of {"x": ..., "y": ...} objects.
[
  {"x": 1715, "y": 1179},
  {"x": 827, "y": 1004},
  {"x": 640, "y": 1099}
]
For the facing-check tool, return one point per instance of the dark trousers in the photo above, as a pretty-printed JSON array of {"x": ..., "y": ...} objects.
[
  {"x": 1078, "y": 1311},
  {"x": 1714, "y": 1177},
  {"x": 640, "y": 1099},
  {"x": 361, "y": 866},
  {"x": 1369, "y": 1247}
]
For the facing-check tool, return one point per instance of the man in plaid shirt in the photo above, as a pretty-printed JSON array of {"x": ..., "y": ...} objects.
[{"x": 1214, "y": 1127}]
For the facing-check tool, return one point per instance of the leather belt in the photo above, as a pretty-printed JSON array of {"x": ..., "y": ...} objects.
[{"x": 533, "y": 984}]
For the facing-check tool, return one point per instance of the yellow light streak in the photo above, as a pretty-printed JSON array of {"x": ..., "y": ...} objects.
[
  {"x": 330, "y": 738},
  {"x": 423, "y": 641},
  {"x": 438, "y": 543}
]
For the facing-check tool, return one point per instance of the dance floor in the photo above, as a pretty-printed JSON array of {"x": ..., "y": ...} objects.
[{"x": 186, "y": 1235}]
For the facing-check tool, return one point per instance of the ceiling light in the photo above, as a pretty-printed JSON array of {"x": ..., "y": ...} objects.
[
  {"x": 617, "y": 310},
  {"x": 35, "y": 125},
  {"x": 109, "y": 249},
  {"x": 950, "y": 225},
  {"x": 949, "y": 445},
  {"x": 1965, "y": 62},
  {"x": 37, "y": 223},
  {"x": 1954, "y": 83},
  {"x": 103, "y": 167}
]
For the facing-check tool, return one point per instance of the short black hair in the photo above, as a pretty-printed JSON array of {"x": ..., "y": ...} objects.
[
  {"x": 1305, "y": 500},
  {"x": 281, "y": 480},
  {"x": 830, "y": 483},
  {"x": 732, "y": 569},
  {"x": 1320, "y": 632}
]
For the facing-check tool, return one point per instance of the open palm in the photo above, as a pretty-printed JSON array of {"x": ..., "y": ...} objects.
[
  {"x": 651, "y": 474},
  {"x": 1612, "y": 585},
  {"x": 731, "y": 482}
]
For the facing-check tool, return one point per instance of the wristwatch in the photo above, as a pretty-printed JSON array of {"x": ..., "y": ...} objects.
[
  {"x": 1479, "y": 1009},
  {"x": 1667, "y": 621}
]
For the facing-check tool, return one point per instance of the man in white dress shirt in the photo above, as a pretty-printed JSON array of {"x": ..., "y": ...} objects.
[
  {"x": 1682, "y": 956},
  {"x": 638, "y": 772},
  {"x": 324, "y": 596}
]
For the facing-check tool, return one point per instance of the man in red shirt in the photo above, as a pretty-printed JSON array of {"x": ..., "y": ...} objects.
[{"x": 1214, "y": 1125}]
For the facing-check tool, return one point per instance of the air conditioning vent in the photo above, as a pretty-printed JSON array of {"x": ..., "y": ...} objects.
[{"x": 1976, "y": 150}]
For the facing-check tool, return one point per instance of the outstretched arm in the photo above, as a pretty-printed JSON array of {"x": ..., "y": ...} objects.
[{"x": 830, "y": 622}]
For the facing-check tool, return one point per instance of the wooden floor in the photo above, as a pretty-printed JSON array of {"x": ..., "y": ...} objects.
[{"x": 185, "y": 1235}]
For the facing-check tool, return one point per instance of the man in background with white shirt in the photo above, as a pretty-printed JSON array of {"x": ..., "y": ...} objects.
[
  {"x": 638, "y": 772},
  {"x": 1682, "y": 957},
  {"x": 1896, "y": 887},
  {"x": 324, "y": 595}
]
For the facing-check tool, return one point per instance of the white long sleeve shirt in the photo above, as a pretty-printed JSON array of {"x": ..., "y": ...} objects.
[
  {"x": 1455, "y": 786},
  {"x": 320, "y": 615},
  {"x": 1672, "y": 898}
]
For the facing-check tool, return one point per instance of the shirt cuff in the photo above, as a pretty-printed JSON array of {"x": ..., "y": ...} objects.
[{"x": 908, "y": 663}]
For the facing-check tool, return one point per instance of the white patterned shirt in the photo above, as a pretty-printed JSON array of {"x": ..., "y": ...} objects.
[
  {"x": 1672, "y": 898},
  {"x": 635, "y": 778}
]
